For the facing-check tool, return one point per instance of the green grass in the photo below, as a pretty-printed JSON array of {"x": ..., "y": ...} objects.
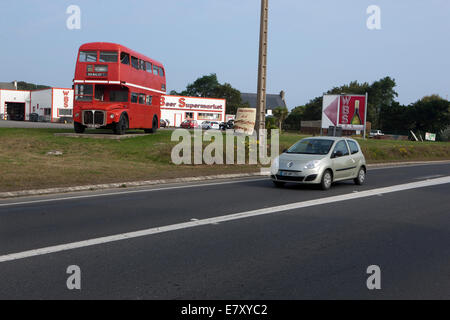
[{"x": 24, "y": 163}]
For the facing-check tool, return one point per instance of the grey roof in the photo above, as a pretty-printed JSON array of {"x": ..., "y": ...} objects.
[
  {"x": 272, "y": 100},
  {"x": 7, "y": 85}
]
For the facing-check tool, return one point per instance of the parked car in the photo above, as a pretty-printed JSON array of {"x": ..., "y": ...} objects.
[
  {"x": 320, "y": 160},
  {"x": 375, "y": 133},
  {"x": 162, "y": 123},
  {"x": 215, "y": 125},
  {"x": 206, "y": 125},
  {"x": 34, "y": 117},
  {"x": 189, "y": 124},
  {"x": 227, "y": 125}
]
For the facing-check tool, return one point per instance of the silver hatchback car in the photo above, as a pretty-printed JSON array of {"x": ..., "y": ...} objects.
[{"x": 320, "y": 160}]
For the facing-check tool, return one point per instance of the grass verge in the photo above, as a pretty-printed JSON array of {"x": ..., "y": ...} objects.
[{"x": 24, "y": 163}]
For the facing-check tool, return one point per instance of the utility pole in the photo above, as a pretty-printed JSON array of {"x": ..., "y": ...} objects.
[{"x": 262, "y": 68}]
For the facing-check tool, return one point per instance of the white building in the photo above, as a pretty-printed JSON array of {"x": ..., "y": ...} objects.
[
  {"x": 176, "y": 109},
  {"x": 52, "y": 104},
  {"x": 49, "y": 105}
]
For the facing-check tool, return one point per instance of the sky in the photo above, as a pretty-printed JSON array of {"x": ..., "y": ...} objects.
[{"x": 313, "y": 45}]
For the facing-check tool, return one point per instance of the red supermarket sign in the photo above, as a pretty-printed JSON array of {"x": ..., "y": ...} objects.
[
  {"x": 346, "y": 111},
  {"x": 176, "y": 102}
]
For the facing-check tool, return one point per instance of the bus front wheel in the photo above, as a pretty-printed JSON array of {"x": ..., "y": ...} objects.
[
  {"x": 121, "y": 126},
  {"x": 79, "y": 128}
]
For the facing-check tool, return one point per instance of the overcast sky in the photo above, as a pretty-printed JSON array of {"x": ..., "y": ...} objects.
[{"x": 313, "y": 45}]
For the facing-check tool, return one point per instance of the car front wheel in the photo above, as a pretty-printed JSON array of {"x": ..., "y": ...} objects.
[{"x": 327, "y": 180}]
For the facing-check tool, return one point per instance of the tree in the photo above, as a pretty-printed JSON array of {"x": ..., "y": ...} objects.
[
  {"x": 232, "y": 95},
  {"x": 205, "y": 87},
  {"x": 431, "y": 114},
  {"x": 280, "y": 113},
  {"x": 397, "y": 118},
  {"x": 381, "y": 94},
  {"x": 313, "y": 109},
  {"x": 294, "y": 119},
  {"x": 22, "y": 85}
]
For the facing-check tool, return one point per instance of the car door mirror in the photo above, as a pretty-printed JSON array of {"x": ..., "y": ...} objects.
[
  {"x": 285, "y": 150},
  {"x": 337, "y": 154}
]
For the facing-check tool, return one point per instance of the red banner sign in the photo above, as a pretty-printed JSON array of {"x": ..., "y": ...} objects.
[{"x": 352, "y": 109}]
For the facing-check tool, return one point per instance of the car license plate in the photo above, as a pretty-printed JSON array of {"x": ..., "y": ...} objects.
[{"x": 287, "y": 174}]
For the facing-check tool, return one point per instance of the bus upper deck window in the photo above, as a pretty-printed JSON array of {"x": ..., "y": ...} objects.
[
  {"x": 161, "y": 72},
  {"x": 125, "y": 58},
  {"x": 88, "y": 56},
  {"x": 135, "y": 62},
  {"x": 148, "y": 67},
  {"x": 108, "y": 56},
  {"x": 141, "y": 64},
  {"x": 155, "y": 70}
]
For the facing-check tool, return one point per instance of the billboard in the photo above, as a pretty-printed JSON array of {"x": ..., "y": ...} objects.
[
  {"x": 346, "y": 111},
  {"x": 245, "y": 120}
]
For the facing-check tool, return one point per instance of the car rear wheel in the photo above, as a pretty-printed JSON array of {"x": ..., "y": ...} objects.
[
  {"x": 278, "y": 184},
  {"x": 327, "y": 180},
  {"x": 359, "y": 180}
]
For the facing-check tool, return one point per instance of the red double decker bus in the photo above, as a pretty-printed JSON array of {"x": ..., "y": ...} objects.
[{"x": 117, "y": 88}]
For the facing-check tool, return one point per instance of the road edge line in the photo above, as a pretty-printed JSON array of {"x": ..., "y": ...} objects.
[{"x": 132, "y": 184}]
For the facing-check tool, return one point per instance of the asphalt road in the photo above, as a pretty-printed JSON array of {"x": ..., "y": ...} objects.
[{"x": 310, "y": 249}]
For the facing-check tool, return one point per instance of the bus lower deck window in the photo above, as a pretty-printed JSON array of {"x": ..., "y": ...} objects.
[
  {"x": 99, "y": 92},
  {"x": 118, "y": 95},
  {"x": 134, "y": 98},
  {"x": 149, "y": 100},
  {"x": 142, "y": 98},
  {"x": 84, "y": 92}
]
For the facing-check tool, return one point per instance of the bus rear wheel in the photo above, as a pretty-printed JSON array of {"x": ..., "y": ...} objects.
[
  {"x": 154, "y": 126},
  {"x": 121, "y": 126},
  {"x": 78, "y": 127}
]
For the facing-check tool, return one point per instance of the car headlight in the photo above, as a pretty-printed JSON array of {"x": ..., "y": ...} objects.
[
  {"x": 275, "y": 166},
  {"x": 312, "y": 164},
  {"x": 77, "y": 115},
  {"x": 112, "y": 116}
]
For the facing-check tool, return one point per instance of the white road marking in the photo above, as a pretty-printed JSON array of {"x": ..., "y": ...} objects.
[
  {"x": 231, "y": 217},
  {"x": 429, "y": 177},
  {"x": 128, "y": 192}
]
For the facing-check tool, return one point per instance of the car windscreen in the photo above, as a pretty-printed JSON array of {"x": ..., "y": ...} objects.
[{"x": 311, "y": 146}]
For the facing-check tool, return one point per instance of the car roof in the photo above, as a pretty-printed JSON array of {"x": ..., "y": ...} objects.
[{"x": 331, "y": 138}]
